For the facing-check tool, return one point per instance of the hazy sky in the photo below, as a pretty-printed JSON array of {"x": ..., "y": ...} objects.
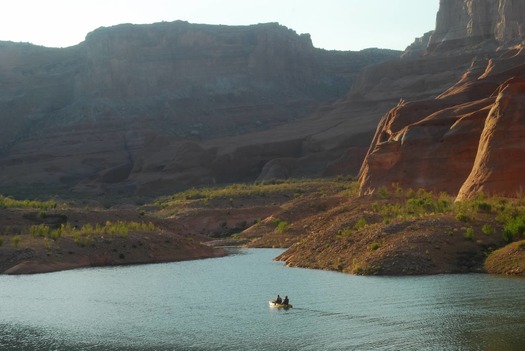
[{"x": 333, "y": 24}]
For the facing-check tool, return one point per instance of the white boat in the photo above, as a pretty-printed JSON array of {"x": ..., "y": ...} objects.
[{"x": 279, "y": 305}]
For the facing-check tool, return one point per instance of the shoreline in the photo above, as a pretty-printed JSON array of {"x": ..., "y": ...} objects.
[
  {"x": 137, "y": 248},
  {"x": 36, "y": 267},
  {"x": 40, "y": 265}
]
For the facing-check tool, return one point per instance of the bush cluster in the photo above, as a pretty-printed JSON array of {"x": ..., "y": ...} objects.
[
  {"x": 509, "y": 213},
  {"x": 281, "y": 226},
  {"x": 85, "y": 233},
  {"x": 8, "y": 202},
  {"x": 514, "y": 227},
  {"x": 291, "y": 187}
]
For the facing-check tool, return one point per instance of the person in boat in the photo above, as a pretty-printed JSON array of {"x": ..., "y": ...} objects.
[
  {"x": 286, "y": 301},
  {"x": 278, "y": 299}
]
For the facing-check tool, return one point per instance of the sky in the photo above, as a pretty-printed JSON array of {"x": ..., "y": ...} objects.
[{"x": 332, "y": 24}]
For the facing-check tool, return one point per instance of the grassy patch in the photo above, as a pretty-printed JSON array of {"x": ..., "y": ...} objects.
[
  {"x": 8, "y": 202},
  {"x": 289, "y": 189},
  {"x": 85, "y": 234},
  {"x": 514, "y": 227},
  {"x": 360, "y": 224},
  {"x": 281, "y": 226},
  {"x": 410, "y": 204}
]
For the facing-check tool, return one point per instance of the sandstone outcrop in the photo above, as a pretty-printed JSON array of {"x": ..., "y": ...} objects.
[
  {"x": 499, "y": 165},
  {"x": 468, "y": 139},
  {"x": 465, "y": 24}
]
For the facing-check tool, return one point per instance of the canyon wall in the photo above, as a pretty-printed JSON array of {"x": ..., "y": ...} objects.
[
  {"x": 467, "y": 23},
  {"x": 469, "y": 138},
  {"x": 149, "y": 109},
  {"x": 161, "y": 107}
]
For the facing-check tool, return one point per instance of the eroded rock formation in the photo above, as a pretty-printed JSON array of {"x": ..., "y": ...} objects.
[
  {"x": 499, "y": 166},
  {"x": 469, "y": 138},
  {"x": 467, "y": 23}
]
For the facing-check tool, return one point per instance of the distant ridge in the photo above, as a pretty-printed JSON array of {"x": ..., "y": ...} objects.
[{"x": 153, "y": 108}]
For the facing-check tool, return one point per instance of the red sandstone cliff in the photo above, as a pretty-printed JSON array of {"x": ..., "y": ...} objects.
[{"x": 469, "y": 138}]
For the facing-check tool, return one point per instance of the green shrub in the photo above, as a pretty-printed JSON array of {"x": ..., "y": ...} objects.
[
  {"x": 82, "y": 240},
  {"x": 487, "y": 229},
  {"x": 514, "y": 228},
  {"x": 344, "y": 233},
  {"x": 40, "y": 230},
  {"x": 282, "y": 226},
  {"x": 16, "y": 240},
  {"x": 374, "y": 246},
  {"x": 484, "y": 207},
  {"x": 383, "y": 193},
  {"x": 356, "y": 267},
  {"x": 360, "y": 224},
  {"x": 410, "y": 193},
  {"x": 463, "y": 217},
  {"x": 469, "y": 233},
  {"x": 428, "y": 204},
  {"x": 55, "y": 234},
  {"x": 1, "y": 242}
]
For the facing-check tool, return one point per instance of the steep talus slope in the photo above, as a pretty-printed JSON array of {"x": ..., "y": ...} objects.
[
  {"x": 148, "y": 108},
  {"x": 435, "y": 143}
]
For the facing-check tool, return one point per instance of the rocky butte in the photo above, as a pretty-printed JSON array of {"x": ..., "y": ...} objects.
[
  {"x": 143, "y": 109},
  {"x": 467, "y": 139}
]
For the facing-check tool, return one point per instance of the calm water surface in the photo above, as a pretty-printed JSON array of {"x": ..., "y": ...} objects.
[{"x": 222, "y": 304}]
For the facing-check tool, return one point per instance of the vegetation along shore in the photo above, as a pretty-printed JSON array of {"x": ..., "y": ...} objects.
[{"x": 323, "y": 224}]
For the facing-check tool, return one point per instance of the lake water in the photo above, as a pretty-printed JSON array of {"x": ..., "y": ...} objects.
[{"x": 222, "y": 304}]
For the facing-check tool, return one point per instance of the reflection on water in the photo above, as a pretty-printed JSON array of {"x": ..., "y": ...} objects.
[{"x": 222, "y": 304}]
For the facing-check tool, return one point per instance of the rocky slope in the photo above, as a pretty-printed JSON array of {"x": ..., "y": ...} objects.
[
  {"x": 25, "y": 248},
  {"x": 355, "y": 238},
  {"x": 145, "y": 108},
  {"x": 468, "y": 139}
]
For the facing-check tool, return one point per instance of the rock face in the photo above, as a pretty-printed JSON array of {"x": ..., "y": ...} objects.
[
  {"x": 146, "y": 108},
  {"x": 499, "y": 164},
  {"x": 469, "y": 138},
  {"x": 466, "y": 23}
]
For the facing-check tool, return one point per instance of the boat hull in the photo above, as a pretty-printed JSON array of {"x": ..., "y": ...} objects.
[{"x": 279, "y": 305}]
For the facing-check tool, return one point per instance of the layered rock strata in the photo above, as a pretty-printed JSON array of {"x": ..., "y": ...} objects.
[{"x": 153, "y": 108}]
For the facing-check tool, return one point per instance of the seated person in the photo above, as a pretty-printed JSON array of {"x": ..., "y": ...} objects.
[{"x": 278, "y": 299}]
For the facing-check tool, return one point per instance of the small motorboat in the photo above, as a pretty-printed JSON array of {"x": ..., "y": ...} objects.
[{"x": 279, "y": 305}]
